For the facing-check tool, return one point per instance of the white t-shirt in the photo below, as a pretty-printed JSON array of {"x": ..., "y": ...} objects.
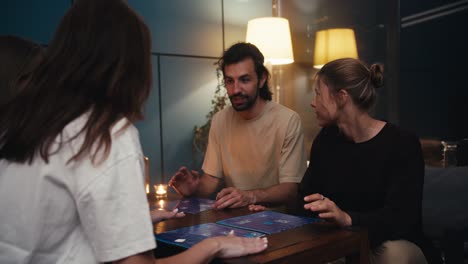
[
  {"x": 257, "y": 153},
  {"x": 77, "y": 212}
]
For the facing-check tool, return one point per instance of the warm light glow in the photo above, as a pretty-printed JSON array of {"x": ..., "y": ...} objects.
[
  {"x": 272, "y": 37},
  {"x": 161, "y": 191},
  {"x": 147, "y": 188},
  {"x": 161, "y": 204},
  {"x": 332, "y": 44}
]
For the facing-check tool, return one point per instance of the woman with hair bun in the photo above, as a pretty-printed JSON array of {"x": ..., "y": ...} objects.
[{"x": 364, "y": 171}]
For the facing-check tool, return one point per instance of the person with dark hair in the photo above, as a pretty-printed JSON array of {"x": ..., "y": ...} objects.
[
  {"x": 363, "y": 171},
  {"x": 71, "y": 165},
  {"x": 255, "y": 146},
  {"x": 19, "y": 57}
]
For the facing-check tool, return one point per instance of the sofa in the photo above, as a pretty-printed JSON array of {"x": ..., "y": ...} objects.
[{"x": 445, "y": 211}]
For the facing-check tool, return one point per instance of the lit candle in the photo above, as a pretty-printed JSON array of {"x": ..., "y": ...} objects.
[
  {"x": 161, "y": 191},
  {"x": 147, "y": 188}
]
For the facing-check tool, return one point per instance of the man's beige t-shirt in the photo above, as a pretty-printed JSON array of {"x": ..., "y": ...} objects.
[{"x": 256, "y": 153}]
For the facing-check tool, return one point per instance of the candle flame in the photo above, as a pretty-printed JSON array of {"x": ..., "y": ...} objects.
[
  {"x": 147, "y": 188},
  {"x": 161, "y": 189}
]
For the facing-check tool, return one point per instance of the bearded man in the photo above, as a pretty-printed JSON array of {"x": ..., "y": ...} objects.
[{"x": 256, "y": 152}]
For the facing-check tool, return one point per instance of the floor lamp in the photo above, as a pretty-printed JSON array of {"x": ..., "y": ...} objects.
[
  {"x": 272, "y": 36},
  {"x": 332, "y": 44}
]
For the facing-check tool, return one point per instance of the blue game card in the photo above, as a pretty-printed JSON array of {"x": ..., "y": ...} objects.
[
  {"x": 189, "y": 236},
  {"x": 195, "y": 205},
  {"x": 187, "y": 205},
  {"x": 268, "y": 222}
]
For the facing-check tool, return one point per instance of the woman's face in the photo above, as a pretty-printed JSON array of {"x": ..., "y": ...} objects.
[{"x": 324, "y": 104}]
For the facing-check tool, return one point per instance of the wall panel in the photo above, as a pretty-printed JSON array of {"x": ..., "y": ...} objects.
[
  {"x": 187, "y": 88},
  {"x": 183, "y": 27},
  {"x": 35, "y": 20},
  {"x": 149, "y": 128},
  {"x": 236, "y": 15}
]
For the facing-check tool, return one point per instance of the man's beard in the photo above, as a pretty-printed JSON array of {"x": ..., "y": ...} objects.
[{"x": 249, "y": 103}]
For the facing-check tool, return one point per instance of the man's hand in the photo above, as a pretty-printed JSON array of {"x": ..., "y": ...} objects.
[
  {"x": 185, "y": 182},
  {"x": 232, "y": 198},
  {"x": 327, "y": 209}
]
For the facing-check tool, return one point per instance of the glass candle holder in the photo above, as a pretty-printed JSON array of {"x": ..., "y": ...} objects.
[
  {"x": 160, "y": 205},
  {"x": 160, "y": 191}
]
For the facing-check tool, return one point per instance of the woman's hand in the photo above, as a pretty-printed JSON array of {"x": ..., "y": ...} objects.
[
  {"x": 233, "y": 246},
  {"x": 256, "y": 208},
  {"x": 160, "y": 215},
  {"x": 327, "y": 209}
]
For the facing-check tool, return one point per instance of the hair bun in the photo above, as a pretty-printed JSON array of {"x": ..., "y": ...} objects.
[{"x": 376, "y": 75}]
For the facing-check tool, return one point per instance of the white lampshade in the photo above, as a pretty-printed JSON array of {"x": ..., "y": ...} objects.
[
  {"x": 272, "y": 37},
  {"x": 332, "y": 44}
]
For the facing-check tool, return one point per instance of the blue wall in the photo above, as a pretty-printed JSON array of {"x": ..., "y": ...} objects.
[{"x": 32, "y": 19}]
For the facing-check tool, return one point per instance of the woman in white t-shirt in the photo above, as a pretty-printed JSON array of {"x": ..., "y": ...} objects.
[{"x": 71, "y": 166}]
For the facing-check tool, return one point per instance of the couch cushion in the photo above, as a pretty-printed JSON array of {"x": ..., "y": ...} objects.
[{"x": 445, "y": 200}]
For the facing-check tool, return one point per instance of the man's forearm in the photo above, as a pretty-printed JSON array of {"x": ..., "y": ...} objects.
[{"x": 277, "y": 194}]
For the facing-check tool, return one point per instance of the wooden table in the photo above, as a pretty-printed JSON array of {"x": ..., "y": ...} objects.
[{"x": 312, "y": 243}]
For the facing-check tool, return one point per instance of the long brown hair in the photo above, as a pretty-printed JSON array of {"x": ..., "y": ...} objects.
[{"x": 99, "y": 61}]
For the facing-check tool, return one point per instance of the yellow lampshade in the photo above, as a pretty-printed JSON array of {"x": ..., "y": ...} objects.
[
  {"x": 272, "y": 37},
  {"x": 332, "y": 44}
]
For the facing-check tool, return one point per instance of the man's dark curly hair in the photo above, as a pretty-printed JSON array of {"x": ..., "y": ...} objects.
[{"x": 241, "y": 51}]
